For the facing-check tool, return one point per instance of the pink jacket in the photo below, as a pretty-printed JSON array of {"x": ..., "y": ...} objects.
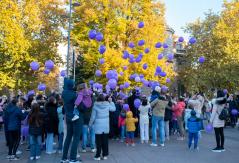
[
  {"x": 121, "y": 121},
  {"x": 179, "y": 108}
]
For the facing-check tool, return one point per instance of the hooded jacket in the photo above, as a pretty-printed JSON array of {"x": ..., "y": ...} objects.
[
  {"x": 100, "y": 116},
  {"x": 69, "y": 97},
  {"x": 179, "y": 108},
  {"x": 193, "y": 124},
  {"x": 158, "y": 107},
  {"x": 13, "y": 117},
  {"x": 52, "y": 118},
  {"x": 144, "y": 114},
  {"x": 130, "y": 122},
  {"x": 216, "y": 111}
]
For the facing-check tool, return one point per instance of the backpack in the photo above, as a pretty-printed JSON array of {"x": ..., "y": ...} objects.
[{"x": 224, "y": 115}]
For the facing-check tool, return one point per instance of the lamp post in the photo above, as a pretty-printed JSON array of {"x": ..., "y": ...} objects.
[{"x": 69, "y": 36}]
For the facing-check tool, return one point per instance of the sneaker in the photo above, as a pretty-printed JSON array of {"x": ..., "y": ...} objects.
[
  {"x": 75, "y": 161},
  {"x": 105, "y": 158},
  {"x": 222, "y": 149},
  {"x": 93, "y": 150},
  {"x": 78, "y": 155},
  {"x": 14, "y": 158},
  {"x": 142, "y": 142},
  {"x": 31, "y": 158},
  {"x": 18, "y": 152},
  {"x": 64, "y": 161},
  {"x": 97, "y": 158},
  {"x": 216, "y": 149},
  {"x": 167, "y": 138},
  {"x": 38, "y": 157},
  {"x": 53, "y": 152},
  {"x": 83, "y": 151},
  {"x": 8, "y": 156},
  {"x": 180, "y": 138},
  {"x": 146, "y": 141},
  {"x": 153, "y": 145},
  {"x": 162, "y": 145},
  {"x": 133, "y": 144},
  {"x": 75, "y": 118}
]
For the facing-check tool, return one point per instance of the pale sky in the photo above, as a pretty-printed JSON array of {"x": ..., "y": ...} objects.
[{"x": 181, "y": 12}]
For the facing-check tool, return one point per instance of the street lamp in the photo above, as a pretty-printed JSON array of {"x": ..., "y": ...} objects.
[{"x": 69, "y": 35}]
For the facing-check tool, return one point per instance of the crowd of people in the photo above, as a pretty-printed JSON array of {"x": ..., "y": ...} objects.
[{"x": 93, "y": 117}]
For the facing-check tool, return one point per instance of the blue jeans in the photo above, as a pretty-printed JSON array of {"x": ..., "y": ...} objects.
[
  {"x": 73, "y": 132},
  {"x": 85, "y": 137},
  {"x": 49, "y": 142},
  {"x": 158, "y": 122},
  {"x": 193, "y": 137},
  {"x": 130, "y": 134},
  {"x": 122, "y": 132},
  {"x": 35, "y": 145},
  {"x": 60, "y": 141}
]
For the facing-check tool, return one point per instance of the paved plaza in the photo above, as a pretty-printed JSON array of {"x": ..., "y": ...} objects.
[{"x": 174, "y": 152}]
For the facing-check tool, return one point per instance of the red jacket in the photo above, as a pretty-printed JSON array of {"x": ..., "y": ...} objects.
[
  {"x": 121, "y": 121},
  {"x": 179, "y": 108}
]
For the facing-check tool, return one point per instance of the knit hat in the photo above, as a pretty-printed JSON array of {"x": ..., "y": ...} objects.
[{"x": 157, "y": 89}]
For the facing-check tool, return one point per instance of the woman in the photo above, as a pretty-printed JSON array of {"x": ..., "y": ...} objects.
[
  {"x": 52, "y": 124},
  {"x": 218, "y": 125},
  {"x": 100, "y": 120},
  {"x": 35, "y": 121}
]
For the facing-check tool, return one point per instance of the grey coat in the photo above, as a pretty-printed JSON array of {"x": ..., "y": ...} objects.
[{"x": 100, "y": 116}]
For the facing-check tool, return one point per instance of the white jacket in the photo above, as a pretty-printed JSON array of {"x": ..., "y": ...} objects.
[
  {"x": 144, "y": 114},
  {"x": 216, "y": 111}
]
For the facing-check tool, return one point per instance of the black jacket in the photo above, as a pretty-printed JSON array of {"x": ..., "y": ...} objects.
[{"x": 51, "y": 118}]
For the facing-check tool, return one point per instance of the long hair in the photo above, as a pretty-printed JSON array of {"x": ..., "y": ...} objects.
[{"x": 34, "y": 117}]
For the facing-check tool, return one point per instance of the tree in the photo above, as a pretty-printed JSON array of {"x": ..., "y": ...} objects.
[
  {"x": 29, "y": 31},
  {"x": 218, "y": 71},
  {"x": 118, "y": 21}
]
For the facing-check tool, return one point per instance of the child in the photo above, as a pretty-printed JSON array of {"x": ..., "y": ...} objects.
[
  {"x": 194, "y": 126},
  {"x": 36, "y": 121},
  {"x": 60, "y": 125},
  {"x": 121, "y": 124},
  {"x": 84, "y": 96},
  {"x": 130, "y": 127},
  {"x": 144, "y": 121}
]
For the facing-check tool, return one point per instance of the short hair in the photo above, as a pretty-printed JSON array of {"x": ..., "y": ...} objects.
[
  {"x": 101, "y": 98},
  {"x": 144, "y": 101},
  {"x": 14, "y": 101}
]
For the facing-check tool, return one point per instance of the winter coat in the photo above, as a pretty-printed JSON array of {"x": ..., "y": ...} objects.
[
  {"x": 52, "y": 118},
  {"x": 100, "y": 116},
  {"x": 179, "y": 108},
  {"x": 216, "y": 111},
  {"x": 168, "y": 112},
  {"x": 130, "y": 122},
  {"x": 69, "y": 97},
  {"x": 61, "y": 120},
  {"x": 197, "y": 105},
  {"x": 121, "y": 120},
  {"x": 158, "y": 107},
  {"x": 193, "y": 124},
  {"x": 13, "y": 117},
  {"x": 37, "y": 130},
  {"x": 144, "y": 114}
]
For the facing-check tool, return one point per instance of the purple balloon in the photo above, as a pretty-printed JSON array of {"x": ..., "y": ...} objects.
[
  {"x": 164, "y": 88},
  {"x": 34, "y": 66},
  {"x": 158, "y": 45},
  {"x": 209, "y": 128},
  {"x": 170, "y": 57},
  {"x": 125, "y": 67},
  {"x": 234, "y": 112},
  {"x": 31, "y": 92},
  {"x": 121, "y": 86},
  {"x": 112, "y": 74},
  {"x": 141, "y": 25},
  {"x": 63, "y": 73},
  {"x": 138, "y": 59},
  {"x": 140, "y": 55},
  {"x": 46, "y": 71},
  {"x": 147, "y": 50},
  {"x": 201, "y": 59},
  {"x": 146, "y": 83},
  {"x": 121, "y": 73},
  {"x": 102, "y": 49},
  {"x": 131, "y": 45},
  {"x": 98, "y": 73},
  {"x": 91, "y": 82},
  {"x": 158, "y": 69},
  {"x": 131, "y": 60},
  {"x": 165, "y": 46},
  {"x": 102, "y": 61},
  {"x": 192, "y": 40},
  {"x": 225, "y": 91},
  {"x": 92, "y": 34},
  {"x": 126, "y": 107},
  {"x": 125, "y": 55},
  {"x": 137, "y": 103},
  {"x": 145, "y": 66},
  {"x": 168, "y": 80},
  {"x": 41, "y": 87},
  {"x": 107, "y": 87},
  {"x": 126, "y": 85},
  {"x": 160, "y": 56},
  {"x": 99, "y": 37},
  {"x": 141, "y": 42},
  {"x": 141, "y": 76},
  {"x": 162, "y": 74},
  {"x": 49, "y": 64},
  {"x": 180, "y": 39},
  {"x": 112, "y": 83},
  {"x": 137, "y": 79}
]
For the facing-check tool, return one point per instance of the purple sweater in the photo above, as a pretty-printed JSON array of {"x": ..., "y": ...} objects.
[{"x": 85, "y": 97}]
